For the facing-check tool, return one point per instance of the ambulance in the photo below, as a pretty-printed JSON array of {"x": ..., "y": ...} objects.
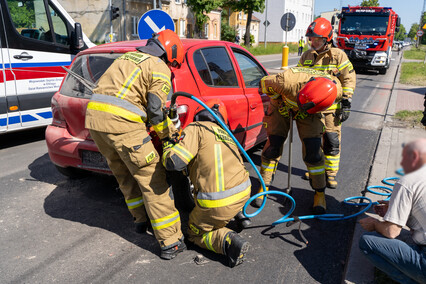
[{"x": 37, "y": 38}]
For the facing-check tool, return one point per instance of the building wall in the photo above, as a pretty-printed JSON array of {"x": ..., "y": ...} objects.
[
  {"x": 303, "y": 10},
  {"x": 238, "y": 20}
]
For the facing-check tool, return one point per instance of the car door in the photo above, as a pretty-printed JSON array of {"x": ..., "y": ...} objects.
[
  {"x": 251, "y": 72},
  {"x": 8, "y": 98},
  {"x": 38, "y": 37},
  {"x": 216, "y": 78}
]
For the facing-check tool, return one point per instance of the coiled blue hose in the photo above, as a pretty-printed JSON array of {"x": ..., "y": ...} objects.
[{"x": 285, "y": 218}]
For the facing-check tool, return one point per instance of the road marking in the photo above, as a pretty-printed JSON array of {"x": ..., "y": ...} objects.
[{"x": 153, "y": 26}]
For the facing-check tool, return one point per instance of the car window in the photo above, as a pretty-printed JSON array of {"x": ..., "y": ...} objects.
[
  {"x": 90, "y": 67},
  {"x": 215, "y": 67},
  {"x": 251, "y": 70}
]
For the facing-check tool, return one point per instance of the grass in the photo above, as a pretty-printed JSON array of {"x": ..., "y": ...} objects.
[
  {"x": 412, "y": 118},
  {"x": 273, "y": 48},
  {"x": 413, "y": 73},
  {"x": 415, "y": 53}
]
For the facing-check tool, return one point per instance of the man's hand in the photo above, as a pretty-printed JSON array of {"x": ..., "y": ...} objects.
[
  {"x": 368, "y": 224},
  {"x": 381, "y": 208},
  {"x": 345, "y": 110}
]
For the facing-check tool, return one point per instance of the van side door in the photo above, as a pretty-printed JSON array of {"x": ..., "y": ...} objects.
[{"x": 39, "y": 37}]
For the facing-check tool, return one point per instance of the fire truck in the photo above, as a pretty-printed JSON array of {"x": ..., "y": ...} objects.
[{"x": 366, "y": 35}]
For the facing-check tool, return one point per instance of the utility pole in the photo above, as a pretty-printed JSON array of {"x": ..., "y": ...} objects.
[{"x": 266, "y": 21}]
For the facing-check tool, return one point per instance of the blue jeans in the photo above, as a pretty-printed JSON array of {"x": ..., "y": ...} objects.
[{"x": 402, "y": 262}]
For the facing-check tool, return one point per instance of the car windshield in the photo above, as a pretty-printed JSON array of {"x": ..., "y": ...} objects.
[
  {"x": 90, "y": 67},
  {"x": 365, "y": 24}
]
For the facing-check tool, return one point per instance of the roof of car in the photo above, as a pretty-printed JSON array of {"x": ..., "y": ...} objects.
[{"x": 124, "y": 46}]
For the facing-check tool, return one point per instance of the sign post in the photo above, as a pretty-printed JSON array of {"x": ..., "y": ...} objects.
[
  {"x": 154, "y": 21},
  {"x": 288, "y": 21}
]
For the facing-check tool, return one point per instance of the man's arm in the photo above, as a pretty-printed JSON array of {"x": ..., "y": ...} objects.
[{"x": 387, "y": 229}]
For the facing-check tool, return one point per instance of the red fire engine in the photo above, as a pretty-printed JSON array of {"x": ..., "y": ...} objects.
[{"x": 366, "y": 35}]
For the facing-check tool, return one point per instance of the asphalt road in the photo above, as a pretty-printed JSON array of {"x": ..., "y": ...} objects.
[{"x": 53, "y": 229}]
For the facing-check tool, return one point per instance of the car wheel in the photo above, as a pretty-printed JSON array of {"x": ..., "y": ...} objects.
[
  {"x": 182, "y": 191},
  {"x": 71, "y": 172}
]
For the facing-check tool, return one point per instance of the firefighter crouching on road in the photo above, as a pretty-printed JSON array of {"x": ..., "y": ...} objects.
[
  {"x": 129, "y": 94},
  {"x": 303, "y": 92},
  {"x": 221, "y": 182},
  {"x": 323, "y": 57}
]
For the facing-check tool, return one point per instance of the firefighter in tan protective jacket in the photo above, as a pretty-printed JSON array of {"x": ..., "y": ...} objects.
[
  {"x": 322, "y": 56},
  {"x": 221, "y": 182},
  {"x": 303, "y": 93},
  {"x": 131, "y": 93}
]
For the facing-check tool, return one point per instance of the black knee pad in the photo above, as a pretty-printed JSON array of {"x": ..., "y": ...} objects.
[
  {"x": 274, "y": 149},
  {"x": 312, "y": 146},
  {"x": 331, "y": 143}
]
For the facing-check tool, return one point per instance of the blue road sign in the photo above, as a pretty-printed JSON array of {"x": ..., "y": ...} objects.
[{"x": 154, "y": 21}]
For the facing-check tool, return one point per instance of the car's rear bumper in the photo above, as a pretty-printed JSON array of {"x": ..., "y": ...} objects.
[{"x": 66, "y": 150}]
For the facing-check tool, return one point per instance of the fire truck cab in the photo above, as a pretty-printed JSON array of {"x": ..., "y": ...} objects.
[{"x": 366, "y": 35}]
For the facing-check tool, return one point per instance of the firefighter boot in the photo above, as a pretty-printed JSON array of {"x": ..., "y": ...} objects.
[
  {"x": 171, "y": 252},
  {"x": 243, "y": 220},
  {"x": 258, "y": 201},
  {"x": 319, "y": 203},
  {"x": 331, "y": 182},
  {"x": 235, "y": 248}
]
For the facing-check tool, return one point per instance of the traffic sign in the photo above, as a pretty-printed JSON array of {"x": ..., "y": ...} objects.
[
  {"x": 154, "y": 21},
  {"x": 419, "y": 33},
  {"x": 266, "y": 23},
  {"x": 288, "y": 21}
]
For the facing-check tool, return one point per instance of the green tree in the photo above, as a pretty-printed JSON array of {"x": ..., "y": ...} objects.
[
  {"x": 227, "y": 32},
  {"x": 248, "y": 7},
  {"x": 400, "y": 35},
  {"x": 22, "y": 16},
  {"x": 413, "y": 30},
  {"x": 201, "y": 8},
  {"x": 370, "y": 3}
]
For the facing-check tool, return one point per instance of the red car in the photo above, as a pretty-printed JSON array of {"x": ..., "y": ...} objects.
[{"x": 211, "y": 69}]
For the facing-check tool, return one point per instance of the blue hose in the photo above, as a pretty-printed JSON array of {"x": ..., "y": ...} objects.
[{"x": 284, "y": 219}]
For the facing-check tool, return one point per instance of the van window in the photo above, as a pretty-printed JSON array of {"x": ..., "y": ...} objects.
[
  {"x": 90, "y": 67},
  {"x": 31, "y": 20}
]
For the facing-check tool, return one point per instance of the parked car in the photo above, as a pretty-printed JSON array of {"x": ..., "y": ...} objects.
[{"x": 211, "y": 69}]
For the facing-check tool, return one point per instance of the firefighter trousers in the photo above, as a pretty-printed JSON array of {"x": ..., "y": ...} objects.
[
  {"x": 206, "y": 226},
  {"x": 136, "y": 165},
  {"x": 310, "y": 131},
  {"x": 332, "y": 142}
]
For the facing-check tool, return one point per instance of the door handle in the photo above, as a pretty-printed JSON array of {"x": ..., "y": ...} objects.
[
  {"x": 253, "y": 106},
  {"x": 24, "y": 56}
]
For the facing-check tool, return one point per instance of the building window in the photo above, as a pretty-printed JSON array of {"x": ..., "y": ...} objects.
[
  {"x": 206, "y": 30},
  {"x": 182, "y": 27},
  {"x": 178, "y": 1},
  {"x": 135, "y": 21},
  {"x": 215, "y": 30}
]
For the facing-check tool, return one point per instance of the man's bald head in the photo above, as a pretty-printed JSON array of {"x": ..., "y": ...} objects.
[{"x": 414, "y": 155}]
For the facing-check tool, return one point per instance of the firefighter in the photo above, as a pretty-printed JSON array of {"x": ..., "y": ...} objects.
[
  {"x": 301, "y": 45},
  {"x": 131, "y": 93},
  {"x": 221, "y": 182},
  {"x": 301, "y": 92},
  {"x": 322, "y": 56}
]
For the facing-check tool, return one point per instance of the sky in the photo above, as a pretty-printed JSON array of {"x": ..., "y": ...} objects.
[{"x": 408, "y": 10}]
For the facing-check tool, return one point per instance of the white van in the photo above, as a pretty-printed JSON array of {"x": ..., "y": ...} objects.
[{"x": 37, "y": 38}]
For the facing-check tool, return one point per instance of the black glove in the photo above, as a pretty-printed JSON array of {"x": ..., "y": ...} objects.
[
  {"x": 423, "y": 121},
  {"x": 345, "y": 109}
]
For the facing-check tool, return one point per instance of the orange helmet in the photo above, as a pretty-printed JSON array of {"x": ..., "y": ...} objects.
[
  {"x": 317, "y": 95},
  {"x": 170, "y": 42},
  {"x": 217, "y": 106},
  {"x": 321, "y": 27}
]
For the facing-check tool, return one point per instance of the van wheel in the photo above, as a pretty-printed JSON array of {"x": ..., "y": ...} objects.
[
  {"x": 72, "y": 173},
  {"x": 182, "y": 191},
  {"x": 383, "y": 71}
]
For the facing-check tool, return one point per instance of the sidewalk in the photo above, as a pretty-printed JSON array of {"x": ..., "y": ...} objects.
[{"x": 386, "y": 161}]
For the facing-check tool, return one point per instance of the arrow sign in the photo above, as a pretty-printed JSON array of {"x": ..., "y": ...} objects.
[{"x": 154, "y": 21}]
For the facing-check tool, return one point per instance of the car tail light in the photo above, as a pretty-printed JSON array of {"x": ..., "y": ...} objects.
[
  {"x": 182, "y": 111},
  {"x": 57, "y": 117}
]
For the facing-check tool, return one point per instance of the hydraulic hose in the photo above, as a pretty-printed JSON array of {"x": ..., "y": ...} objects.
[{"x": 286, "y": 217}]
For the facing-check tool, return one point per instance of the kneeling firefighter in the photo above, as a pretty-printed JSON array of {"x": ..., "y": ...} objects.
[
  {"x": 131, "y": 93},
  {"x": 221, "y": 182},
  {"x": 301, "y": 93}
]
